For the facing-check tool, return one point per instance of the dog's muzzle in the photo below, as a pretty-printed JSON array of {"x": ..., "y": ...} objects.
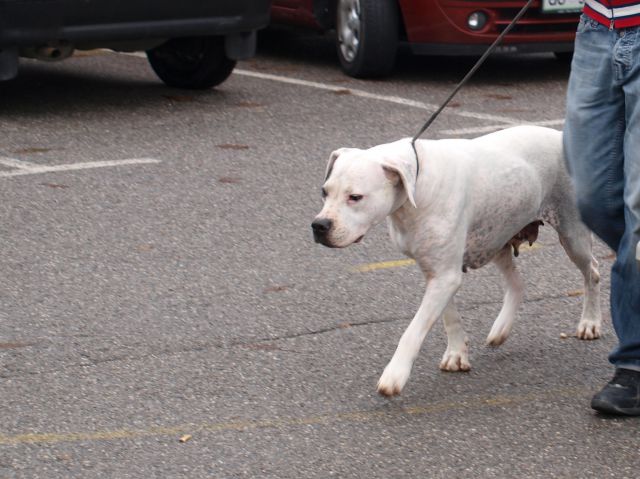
[{"x": 321, "y": 228}]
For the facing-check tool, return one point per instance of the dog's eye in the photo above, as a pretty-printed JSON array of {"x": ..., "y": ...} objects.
[
  {"x": 323, "y": 193},
  {"x": 355, "y": 198}
]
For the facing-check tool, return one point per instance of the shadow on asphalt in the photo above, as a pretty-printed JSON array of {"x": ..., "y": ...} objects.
[{"x": 75, "y": 86}]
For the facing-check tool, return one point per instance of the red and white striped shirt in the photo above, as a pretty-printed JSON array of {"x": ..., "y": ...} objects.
[{"x": 614, "y": 13}]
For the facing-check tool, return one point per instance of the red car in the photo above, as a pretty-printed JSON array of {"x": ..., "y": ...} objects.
[{"x": 368, "y": 31}]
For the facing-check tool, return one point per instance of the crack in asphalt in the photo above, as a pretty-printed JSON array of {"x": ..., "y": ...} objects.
[{"x": 90, "y": 361}]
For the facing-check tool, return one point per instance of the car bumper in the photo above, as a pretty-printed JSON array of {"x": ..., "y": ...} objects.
[
  {"x": 26, "y": 23},
  {"x": 440, "y": 26},
  {"x": 479, "y": 49}
]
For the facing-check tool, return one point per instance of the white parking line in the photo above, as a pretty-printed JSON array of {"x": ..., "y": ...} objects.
[
  {"x": 500, "y": 121},
  {"x": 490, "y": 128},
  {"x": 26, "y": 168},
  {"x": 374, "y": 96},
  {"x": 13, "y": 163}
]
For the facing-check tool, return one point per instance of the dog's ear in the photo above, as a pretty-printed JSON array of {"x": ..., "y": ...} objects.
[
  {"x": 332, "y": 159},
  {"x": 402, "y": 170}
]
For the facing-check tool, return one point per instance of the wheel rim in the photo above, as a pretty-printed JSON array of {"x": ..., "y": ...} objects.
[{"x": 349, "y": 26}]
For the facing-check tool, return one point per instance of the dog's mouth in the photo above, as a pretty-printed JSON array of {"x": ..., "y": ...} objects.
[{"x": 323, "y": 241}]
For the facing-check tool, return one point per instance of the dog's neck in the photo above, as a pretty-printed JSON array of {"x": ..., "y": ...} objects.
[
  {"x": 400, "y": 228},
  {"x": 399, "y": 217}
]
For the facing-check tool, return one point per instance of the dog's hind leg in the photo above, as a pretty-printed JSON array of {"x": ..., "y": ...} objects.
[
  {"x": 514, "y": 293},
  {"x": 456, "y": 357},
  {"x": 576, "y": 241}
]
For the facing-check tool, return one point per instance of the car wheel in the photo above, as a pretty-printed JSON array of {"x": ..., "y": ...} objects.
[
  {"x": 367, "y": 36},
  {"x": 192, "y": 63}
]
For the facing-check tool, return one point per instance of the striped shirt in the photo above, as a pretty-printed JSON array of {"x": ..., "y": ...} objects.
[{"x": 614, "y": 13}]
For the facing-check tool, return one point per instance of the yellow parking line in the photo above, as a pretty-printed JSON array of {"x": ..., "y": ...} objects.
[
  {"x": 400, "y": 263},
  {"x": 524, "y": 247},
  {"x": 471, "y": 403}
]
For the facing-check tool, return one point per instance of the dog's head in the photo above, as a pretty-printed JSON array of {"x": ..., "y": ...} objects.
[{"x": 361, "y": 188}]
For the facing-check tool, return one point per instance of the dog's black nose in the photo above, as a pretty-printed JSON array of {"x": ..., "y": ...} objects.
[{"x": 321, "y": 227}]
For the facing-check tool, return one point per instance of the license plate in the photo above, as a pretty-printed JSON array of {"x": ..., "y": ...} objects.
[{"x": 562, "y": 6}]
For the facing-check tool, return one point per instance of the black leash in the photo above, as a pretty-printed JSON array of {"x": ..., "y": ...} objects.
[{"x": 466, "y": 79}]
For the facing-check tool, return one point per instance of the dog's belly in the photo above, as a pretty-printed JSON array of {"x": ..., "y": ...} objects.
[
  {"x": 475, "y": 258},
  {"x": 484, "y": 241},
  {"x": 482, "y": 246}
]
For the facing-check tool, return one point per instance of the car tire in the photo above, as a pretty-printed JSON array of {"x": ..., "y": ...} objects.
[
  {"x": 367, "y": 36},
  {"x": 193, "y": 63}
]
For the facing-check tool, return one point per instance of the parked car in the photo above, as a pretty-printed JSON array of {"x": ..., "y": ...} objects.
[
  {"x": 189, "y": 43},
  {"x": 368, "y": 31}
]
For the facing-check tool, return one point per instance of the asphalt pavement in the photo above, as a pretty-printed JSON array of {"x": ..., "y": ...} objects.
[{"x": 164, "y": 311}]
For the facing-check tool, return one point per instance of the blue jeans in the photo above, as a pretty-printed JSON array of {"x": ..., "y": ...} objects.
[{"x": 602, "y": 148}]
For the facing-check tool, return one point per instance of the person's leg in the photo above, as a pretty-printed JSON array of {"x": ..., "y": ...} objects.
[
  {"x": 594, "y": 132},
  {"x": 602, "y": 155},
  {"x": 625, "y": 275},
  {"x": 622, "y": 394}
]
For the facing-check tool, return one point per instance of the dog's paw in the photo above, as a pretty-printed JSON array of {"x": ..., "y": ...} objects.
[
  {"x": 495, "y": 340},
  {"x": 499, "y": 333},
  {"x": 588, "y": 329},
  {"x": 454, "y": 361},
  {"x": 393, "y": 380}
]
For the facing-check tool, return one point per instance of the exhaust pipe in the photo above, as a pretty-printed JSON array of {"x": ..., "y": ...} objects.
[{"x": 52, "y": 52}]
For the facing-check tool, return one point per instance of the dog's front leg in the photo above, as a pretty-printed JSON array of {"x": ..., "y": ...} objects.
[{"x": 440, "y": 290}]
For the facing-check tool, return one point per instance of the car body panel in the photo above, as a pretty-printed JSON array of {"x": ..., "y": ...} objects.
[
  {"x": 91, "y": 20},
  {"x": 439, "y": 26},
  {"x": 303, "y": 13}
]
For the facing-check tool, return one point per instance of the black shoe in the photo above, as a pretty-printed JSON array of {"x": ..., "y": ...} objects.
[{"x": 621, "y": 396}]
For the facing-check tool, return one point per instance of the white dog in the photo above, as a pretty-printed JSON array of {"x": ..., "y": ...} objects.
[{"x": 474, "y": 201}]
